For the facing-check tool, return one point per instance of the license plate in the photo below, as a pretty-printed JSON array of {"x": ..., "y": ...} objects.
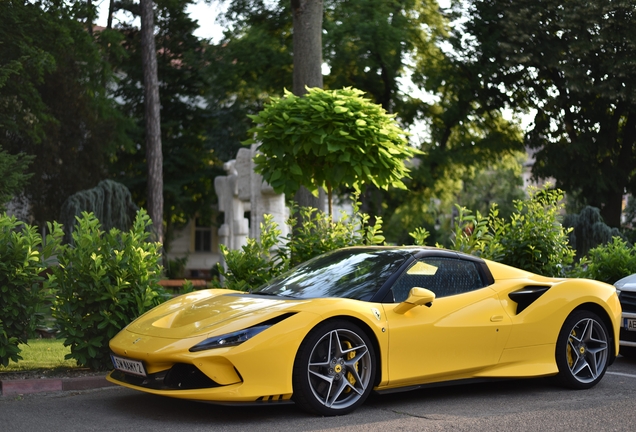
[
  {"x": 629, "y": 324},
  {"x": 130, "y": 366}
]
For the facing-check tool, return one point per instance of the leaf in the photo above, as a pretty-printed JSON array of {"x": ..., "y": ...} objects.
[{"x": 295, "y": 169}]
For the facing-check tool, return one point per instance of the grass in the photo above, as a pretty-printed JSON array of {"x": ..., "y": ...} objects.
[{"x": 40, "y": 354}]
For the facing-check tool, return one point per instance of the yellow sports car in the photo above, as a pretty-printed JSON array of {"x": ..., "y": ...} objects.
[{"x": 366, "y": 319}]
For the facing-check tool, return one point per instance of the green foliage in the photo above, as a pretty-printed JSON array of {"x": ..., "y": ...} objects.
[
  {"x": 532, "y": 238},
  {"x": 319, "y": 233},
  {"x": 54, "y": 101},
  {"x": 500, "y": 183},
  {"x": 190, "y": 162},
  {"x": 176, "y": 267},
  {"x": 255, "y": 263},
  {"x": 104, "y": 281},
  {"x": 572, "y": 62},
  {"x": 23, "y": 258},
  {"x": 419, "y": 236},
  {"x": 326, "y": 139},
  {"x": 367, "y": 44},
  {"x": 109, "y": 201},
  {"x": 475, "y": 234},
  {"x": 13, "y": 175},
  {"x": 607, "y": 262},
  {"x": 259, "y": 261},
  {"x": 371, "y": 45},
  {"x": 588, "y": 230}
]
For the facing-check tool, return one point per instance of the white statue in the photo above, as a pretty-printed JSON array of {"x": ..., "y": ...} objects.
[{"x": 243, "y": 190}]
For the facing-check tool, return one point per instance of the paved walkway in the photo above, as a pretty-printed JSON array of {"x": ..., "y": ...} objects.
[{"x": 16, "y": 387}]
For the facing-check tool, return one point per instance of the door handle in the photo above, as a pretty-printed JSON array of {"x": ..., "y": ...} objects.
[{"x": 496, "y": 318}]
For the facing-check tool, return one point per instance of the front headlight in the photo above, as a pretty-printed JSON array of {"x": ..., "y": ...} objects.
[{"x": 230, "y": 339}]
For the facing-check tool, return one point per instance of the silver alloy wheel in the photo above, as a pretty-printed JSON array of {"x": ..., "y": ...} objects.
[
  {"x": 587, "y": 350},
  {"x": 339, "y": 369}
]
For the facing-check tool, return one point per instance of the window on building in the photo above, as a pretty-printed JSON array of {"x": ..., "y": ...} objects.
[{"x": 202, "y": 237}]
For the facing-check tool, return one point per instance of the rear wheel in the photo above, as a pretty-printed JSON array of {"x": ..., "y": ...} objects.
[
  {"x": 334, "y": 369},
  {"x": 582, "y": 350}
]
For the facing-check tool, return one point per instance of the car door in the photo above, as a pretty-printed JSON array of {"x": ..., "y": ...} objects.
[{"x": 464, "y": 329}]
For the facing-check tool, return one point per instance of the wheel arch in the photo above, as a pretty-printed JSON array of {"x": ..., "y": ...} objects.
[{"x": 602, "y": 314}]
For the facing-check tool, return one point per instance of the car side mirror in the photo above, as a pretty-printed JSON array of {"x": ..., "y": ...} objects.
[{"x": 417, "y": 297}]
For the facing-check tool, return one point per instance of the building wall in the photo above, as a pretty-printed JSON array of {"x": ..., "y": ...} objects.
[{"x": 202, "y": 257}]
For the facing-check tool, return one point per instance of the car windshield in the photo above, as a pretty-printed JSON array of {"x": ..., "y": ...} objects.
[{"x": 356, "y": 273}]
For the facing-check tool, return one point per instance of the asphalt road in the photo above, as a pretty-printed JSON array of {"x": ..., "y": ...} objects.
[{"x": 519, "y": 405}]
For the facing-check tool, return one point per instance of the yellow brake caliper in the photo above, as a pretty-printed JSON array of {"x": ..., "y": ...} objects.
[
  {"x": 569, "y": 351},
  {"x": 350, "y": 376}
]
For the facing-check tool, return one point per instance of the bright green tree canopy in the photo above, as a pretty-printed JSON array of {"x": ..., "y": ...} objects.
[{"x": 329, "y": 138}]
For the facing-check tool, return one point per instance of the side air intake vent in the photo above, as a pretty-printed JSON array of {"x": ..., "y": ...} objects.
[{"x": 526, "y": 296}]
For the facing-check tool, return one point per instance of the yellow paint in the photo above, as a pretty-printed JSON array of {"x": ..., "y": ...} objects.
[{"x": 473, "y": 335}]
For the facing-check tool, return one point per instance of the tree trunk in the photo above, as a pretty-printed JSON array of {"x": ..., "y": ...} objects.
[
  {"x": 111, "y": 11},
  {"x": 307, "y": 38},
  {"x": 154, "y": 155}
]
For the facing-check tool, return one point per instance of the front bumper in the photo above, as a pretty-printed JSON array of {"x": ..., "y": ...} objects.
[
  {"x": 627, "y": 337},
  {"x": 256, "y": 371}
]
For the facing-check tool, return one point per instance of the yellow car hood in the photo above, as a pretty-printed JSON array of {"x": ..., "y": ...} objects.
[{"x": 201, "y": 312}]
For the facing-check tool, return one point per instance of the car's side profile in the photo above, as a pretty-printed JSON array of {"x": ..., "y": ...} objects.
[{"x": 368, "y": 319}]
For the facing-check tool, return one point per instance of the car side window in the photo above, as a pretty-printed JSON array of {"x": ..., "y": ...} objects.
[{"x": 443, "y": 276}]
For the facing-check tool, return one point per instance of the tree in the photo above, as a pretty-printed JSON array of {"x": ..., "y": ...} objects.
[
  {"x": 371, "y": 45},
  {"x": 252, "y": 63},
  {"x": 574, "y": 63},
  {"x": 588, "y": 231},
  {"x": 329, "y": 138},
  {"x": 110, "y": 202},
  {"x": 13, "y": 175},
  {"x": 190, "y": 161},
  {"x": 54, "y": 102},
  {"x": 152, "y": 118},
  {"x": 307, "y": 37}
]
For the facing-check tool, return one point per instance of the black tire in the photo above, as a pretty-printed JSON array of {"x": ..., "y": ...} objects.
[
  {"x": 334, "y": 369},
  {"x": 582, "y": 350},
  {"x": 629, "y": 352}
]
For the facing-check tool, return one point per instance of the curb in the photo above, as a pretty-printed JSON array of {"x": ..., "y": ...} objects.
[{"x": 26, "y": 386}]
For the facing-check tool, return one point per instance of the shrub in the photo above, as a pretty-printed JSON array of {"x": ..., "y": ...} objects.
[
  {"x": 319, "y": 233},
  {"x": 608, "y": 262},
  {"x": 104, "y": 280},
  {"x": 258, "y": 262},
  {"x": 474, "y": 234},
  {"x": 255, "y": 263},
  {"x": 588, "y": 230},
  {"x": 23, "y": 259},
  {"x": 533, "y": 239}
]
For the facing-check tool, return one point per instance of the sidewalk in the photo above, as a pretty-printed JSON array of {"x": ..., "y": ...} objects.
[{"x": 24, "y": 386}]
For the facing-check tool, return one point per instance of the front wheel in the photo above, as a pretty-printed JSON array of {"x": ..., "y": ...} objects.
[
  {"x": 582, "y": 350},
  {"x": 334, "y": 369}
]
